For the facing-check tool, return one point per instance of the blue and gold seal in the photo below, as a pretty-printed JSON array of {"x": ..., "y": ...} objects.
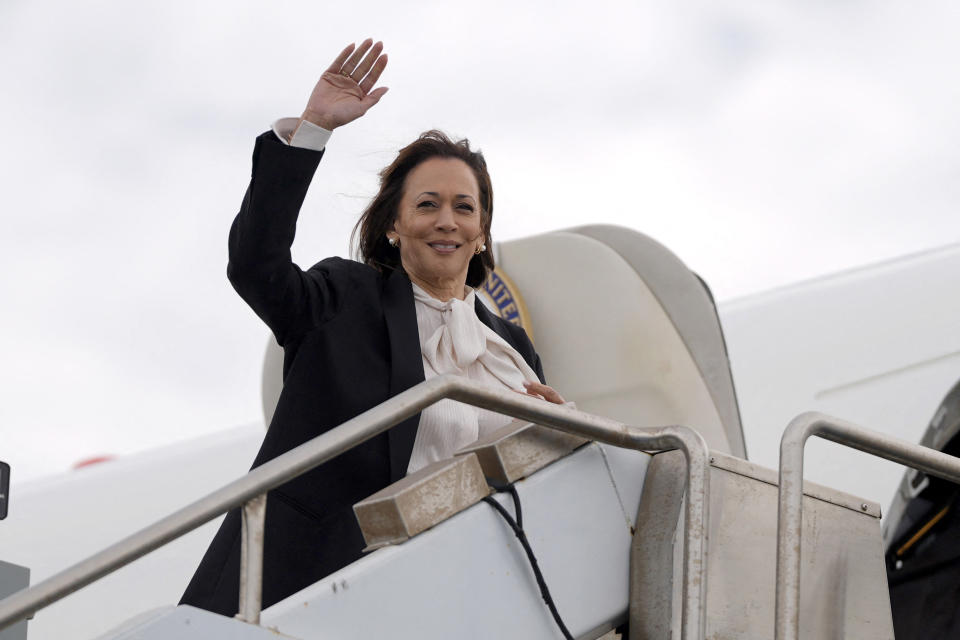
[{"x": 502, "y": 297}]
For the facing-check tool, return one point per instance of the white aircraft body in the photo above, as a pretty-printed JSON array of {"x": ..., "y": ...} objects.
[{"x": 878, "y": 346}]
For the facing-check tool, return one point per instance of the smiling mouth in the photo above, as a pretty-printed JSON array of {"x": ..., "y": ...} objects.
[{"x": 444, "y": 247}]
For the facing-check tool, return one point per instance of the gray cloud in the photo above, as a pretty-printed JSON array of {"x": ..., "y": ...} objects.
[{"x": 763, "y": 143}]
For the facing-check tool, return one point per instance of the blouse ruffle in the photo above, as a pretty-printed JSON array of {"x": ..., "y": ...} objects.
[{"x": 454, "y": 340}]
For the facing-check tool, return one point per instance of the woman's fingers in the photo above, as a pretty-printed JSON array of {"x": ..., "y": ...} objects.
[
  {"x": 374, "y": 96},
  {"x": 338, "y": 63},
  {"x": 367, "y": 62},
  {"x": 355, "y": 58},
  {"x": 362, "y": 64},
  {"x": 374, "y": 74},
  {"x": 345, "y": 91},
  {"x": 543, "y": 391}
]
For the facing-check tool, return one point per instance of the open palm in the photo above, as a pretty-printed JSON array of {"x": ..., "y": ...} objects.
[{"x": 345, "y": 90}]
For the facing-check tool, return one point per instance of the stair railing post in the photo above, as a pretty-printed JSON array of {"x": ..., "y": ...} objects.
[
  {"x": 251, "y": 558},
  {"x": 790, "y": 501}
]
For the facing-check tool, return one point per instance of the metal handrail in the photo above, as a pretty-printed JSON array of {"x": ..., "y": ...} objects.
[
  {"x": 252, "y": 488},
  {"x": 790, "y": 516}
]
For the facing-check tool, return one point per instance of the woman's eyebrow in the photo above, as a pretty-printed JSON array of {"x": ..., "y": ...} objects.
[{"x": 437, "y": 195}]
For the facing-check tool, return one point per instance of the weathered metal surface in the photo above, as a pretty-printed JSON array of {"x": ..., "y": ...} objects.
[
  {"x": 653, "y": 557},
  {"x": 845, "y": 585},
  {"x": 251, "y": 558},
  {"x": 520, "y": 449},
  {"x": 791, "y": 541},
  {"x": 421, "y": 500},
  {"x": 844, "y": 578},
  {"x": 812, "y": 489}
]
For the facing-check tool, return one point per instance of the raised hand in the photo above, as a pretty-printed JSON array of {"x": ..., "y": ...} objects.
[{"x": 345, "y": 90}]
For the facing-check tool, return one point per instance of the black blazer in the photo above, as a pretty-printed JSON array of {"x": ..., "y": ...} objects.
[{"x": 350, "y": 341}]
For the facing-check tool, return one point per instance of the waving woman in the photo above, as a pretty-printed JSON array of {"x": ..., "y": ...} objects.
[{"x": 355, "y": 333}]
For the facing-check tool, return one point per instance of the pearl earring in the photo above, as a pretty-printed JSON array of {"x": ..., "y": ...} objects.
[
  {"x": 480, "y": 249},
  {"x": 393, "y": 241}
]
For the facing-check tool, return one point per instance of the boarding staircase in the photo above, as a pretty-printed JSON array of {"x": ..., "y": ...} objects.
[
  {"x": 667, "y": 528},
  {"x": 453, "y": 568}
]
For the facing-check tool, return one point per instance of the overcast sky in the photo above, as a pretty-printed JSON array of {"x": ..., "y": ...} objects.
[{"x": 764, "y": 142}]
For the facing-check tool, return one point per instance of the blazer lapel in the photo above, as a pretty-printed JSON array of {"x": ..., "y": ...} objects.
[
  {"x": 487, "y": 318},
  {"x": 500, "y": 327},
  {"x": 406, "y": 364}
]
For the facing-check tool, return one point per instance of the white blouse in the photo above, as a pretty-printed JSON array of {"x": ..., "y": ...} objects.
[{"x": 454, "y": 340}]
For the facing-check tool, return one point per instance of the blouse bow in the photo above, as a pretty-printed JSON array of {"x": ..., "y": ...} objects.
[{"x": 462, "y": 340}]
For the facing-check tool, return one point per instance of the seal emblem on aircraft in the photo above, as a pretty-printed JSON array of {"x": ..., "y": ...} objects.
[{"x": 502, "y": 297}]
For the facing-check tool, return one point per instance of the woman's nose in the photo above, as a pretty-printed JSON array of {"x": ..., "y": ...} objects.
[{"x": 446, "y": 219}]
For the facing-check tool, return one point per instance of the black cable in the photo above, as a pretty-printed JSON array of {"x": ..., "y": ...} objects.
[
  {"x": 512, "y": 490},
  {"x": 518, "y": 531}
]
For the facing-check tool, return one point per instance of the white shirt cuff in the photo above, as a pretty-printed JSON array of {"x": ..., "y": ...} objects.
[{"x": 307, "y": 136}]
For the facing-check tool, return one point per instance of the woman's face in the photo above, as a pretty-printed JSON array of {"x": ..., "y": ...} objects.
[{"x": 439, "y": 222}]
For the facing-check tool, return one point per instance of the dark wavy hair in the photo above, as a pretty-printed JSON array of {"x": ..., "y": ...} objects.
[{"x": 379, "y": 216}]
